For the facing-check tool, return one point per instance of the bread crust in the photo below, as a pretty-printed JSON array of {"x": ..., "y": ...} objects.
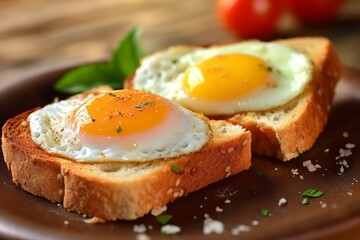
[
  {"x": 93, "y": 190},
  {"x": 306, "y": 114}
]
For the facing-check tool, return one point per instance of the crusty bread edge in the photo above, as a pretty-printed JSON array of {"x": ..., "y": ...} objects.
[{"x": 311, "y": 109}]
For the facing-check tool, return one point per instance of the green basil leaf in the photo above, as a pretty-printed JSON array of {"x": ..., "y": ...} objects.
[
  {"x": 128, "y": 53},
  {"x": 88, "y": 76}
]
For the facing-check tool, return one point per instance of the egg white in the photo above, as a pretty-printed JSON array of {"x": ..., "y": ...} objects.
[
  {"x": 163, "y": 72},
  {"x": 53, "y": 130}
]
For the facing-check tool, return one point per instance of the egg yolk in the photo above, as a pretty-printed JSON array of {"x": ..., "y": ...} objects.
[
  {"x": 225, "y": 77},
  {"x": 125, "y": 112}
]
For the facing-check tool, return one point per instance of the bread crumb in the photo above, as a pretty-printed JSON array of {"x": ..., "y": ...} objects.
[
  {"x": 326, "y": 150},
  {"x": 141, "y": 228},
  {"x": 170, "y": 229},
  {"x": 345, "y": 134},
  {"x": 158, "y": 211},
  {"x": 301, "y": 177},
  {"x": 23, "y": 123},
  {"x": 349, "y": 193},
  {"x": 276, "y": 169},
  {"x": 213, "y": 226},
  {"x": 66, "y": 222},
  {"x": 150, "y": 227},
  {"x": 142, "y": 236},
  {"x": 227, "y": 201},
  {"x": 241, "y": 228},
  {"x": 219, "y": 209},
  {"x": 94, "y": 220},
  {"x": 282, "y": 202},
  {"x": 201, "y": 206},
  {"x": 195, "y": 217},
  {"x": 323, "y": 205}
]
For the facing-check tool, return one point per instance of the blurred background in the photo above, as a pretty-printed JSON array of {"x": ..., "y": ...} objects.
[{"x": 40, "y": 35}]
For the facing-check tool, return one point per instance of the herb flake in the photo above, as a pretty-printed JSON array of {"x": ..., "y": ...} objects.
[
  {"x": 118, "y": 129},
  {"x": 312, "y": 193},
  {"x": 141, "y": 105},
  {"x": 164, "y": 218},
  {"x": 265, "y": 212},
  {"x": 175, "y": 169},
  {"x": 305, "y": 201}
]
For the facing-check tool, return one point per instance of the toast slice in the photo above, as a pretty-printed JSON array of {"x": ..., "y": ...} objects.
[
  {"x": 113, "y": 191},
  {"x": 286, "y": 131}
]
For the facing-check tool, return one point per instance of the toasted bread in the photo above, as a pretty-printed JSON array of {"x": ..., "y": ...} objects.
[
  {"x": 286, "y": 131},
  {"x": 119, "y": 190}
]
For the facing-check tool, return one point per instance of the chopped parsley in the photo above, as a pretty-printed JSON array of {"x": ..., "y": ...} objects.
[
  {"x": 164, "y": 218},
  {"x": 175, "y": 169},
  {"x": 111, "y": 94},
  {"x": 265, "y": 212},
  {"x": 260, "y": 173},
  {"x": 141, "y": 105},
  {"x": 305, "y": 201},
  {"x": 174, "y": 61},
  {"x": 118, "y": 129},
  {"x": 269, "y": 69},
  {"x": 312, "y": 193}
]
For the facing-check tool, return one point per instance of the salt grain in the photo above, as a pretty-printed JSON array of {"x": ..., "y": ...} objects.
[
  {"x": 142, "y": 236},
  {"x": 282, "y": 202},
  {"x": 170, "y": 229},
  {"x": 141, "y": 228},
  {"x": 350, "y": 145},
  {"x": 219, "y": 209},
  {"x": 213, "y": 226},
  {"x": 255, "y": 223},
  {"x": 241, "y": 228},
  {"x": 294, "y": 171}
]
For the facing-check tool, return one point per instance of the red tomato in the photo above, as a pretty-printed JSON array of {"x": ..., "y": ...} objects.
[
  {"x": 250, "y": 18},
  {"x": 315, "y": 11}
]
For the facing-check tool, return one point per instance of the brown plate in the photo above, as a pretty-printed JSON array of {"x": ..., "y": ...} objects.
[{"x": 335, "y": 215}]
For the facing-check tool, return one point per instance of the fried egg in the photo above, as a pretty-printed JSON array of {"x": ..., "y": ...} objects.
[
  {"x": 123, "y": 125},
  {"x": 226, "y": 79}
]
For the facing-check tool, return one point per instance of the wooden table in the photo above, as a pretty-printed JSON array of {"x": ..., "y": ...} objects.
[{"x": 37, "y": 35}]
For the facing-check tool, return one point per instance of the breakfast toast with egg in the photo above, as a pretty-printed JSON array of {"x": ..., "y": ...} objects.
[
  {"x": 121, "y": 190},
  {"x": 289, "y": 129}
]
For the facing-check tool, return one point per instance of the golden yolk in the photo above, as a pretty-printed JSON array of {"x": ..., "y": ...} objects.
[
  {"x": 125, "y": 112},
  {"x": 225, "y": 77}
]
